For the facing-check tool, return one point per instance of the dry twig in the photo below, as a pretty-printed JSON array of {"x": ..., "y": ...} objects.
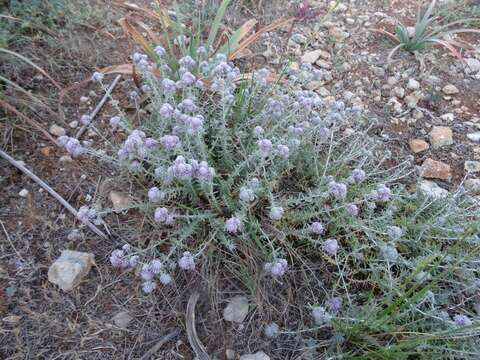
[
  {"x": 170, "y": 336},
  {"x": 52, "y": 192},
  {"x": 99, "y": 106}
]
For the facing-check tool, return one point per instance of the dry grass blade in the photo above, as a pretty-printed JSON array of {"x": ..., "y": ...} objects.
[
  {"x": 118, "y": 69},
  {"x": 450, "y": 47},
  {"x": 134, "y": 34},
  {"x": 36, "y": 125},
  {"x": 238, "y": 36},
  {"x": 35, "y": 99},
  {"x": 384, "y": 32},
  {"x": 31, "y": 63},
  {"x": 254, "y": 37},
  {"x": 193, "y": 339},
  {"x": 150, "y": 32},
  {"x": 170, "y": 336}
]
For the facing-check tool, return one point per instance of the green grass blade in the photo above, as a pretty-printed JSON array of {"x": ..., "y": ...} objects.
[{"x": 216, "y": 23}]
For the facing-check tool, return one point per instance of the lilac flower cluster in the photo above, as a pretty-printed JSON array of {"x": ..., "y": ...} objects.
[
  {"x": 338, "y": 190},
  {"x": 183, "y": 170},
  {"x": 276, "y": 213},
  {"x": 155, "y": 195},
  {"x": 320, "y": 315},
  {"x": 72, "y": 145},
  {"x": 381, "y": 194},
  {"x": 247, "y": 192},
  {"x": 276, "y": 269},
  {"x": 163, "y": 216},
  {"x": 186, "y": 262},
  {"x": 330, "y": 247},
  {"x": 86, "y": 214},
  {"x": 136, "y": 147},
  {"x": 233, "y": 225},
  {"x": 121, "y": 259}
]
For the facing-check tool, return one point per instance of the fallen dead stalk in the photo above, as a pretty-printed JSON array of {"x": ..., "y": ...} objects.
[{"x": 52, "y": 192}]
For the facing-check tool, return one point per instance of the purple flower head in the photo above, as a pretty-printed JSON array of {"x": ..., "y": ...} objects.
[
  {"x": 160, "y": 51},
  {"x": 86, "y": 214},
  {"x": 320, "y": 315},
  {"x": 85, "y": 119},
  {"x": 155, "y": 195},
  {"x": 246, "y": 194},
  {"x": 324, "y": 132},
  {"x": 170, "y": 142},
  {"x": 186, "y": 262},
  {"x": 72, "y": 145},
  {"x": 233, "y": 225},
  {"x": 187, "y": 105},
  {"x": 155, "y": 266},
  {"x": 358, "y": 175},
  {"x": 202, "y": 171},
  {"x": 462, "y": 320},
  {"x": 389, "y": 252},
  {"x": 276, "y": 213},
  {"x": 149, "y": 286},
  {"x": 277, "y": 268},
  {"x": 118, "y": 259},
  {"x": 169, "y": 86},
  {"x": 382, "y": 194},
  {"x": 317, "y": 228},
  {"x": 330, "y": 246},
  {"x": 146, "y": 273},
  {"x": 258, "y": 130},
  {"x": 115, "y": 121},
  {"x": 339, "y": 190},
  {"x": 283, "y": 151},
  {"x": 180, "y": 169},
  {"x": 126, "y": 248},
  {"x": 352, "y": 209},
  {"x": 188, "y": 78},
  {"x": 162, "y": 216},
  {"x": 165, "y": 278},
  {"x": 97, "y": 76},
  {"x": 166, "y": 111},
  {"x": 295, "y": 130},
  {"x": 139, "y": 57},
  {"x": 187, "y": 62},
  {"x": 334, "y": 305},
  {"x": 265, "y": 146},
  {"x": 133, "y": 261},
  {"x": 394, "y": 232},
  {"x": 194, "y": 124},
  {"x": 151, "y": 143}
]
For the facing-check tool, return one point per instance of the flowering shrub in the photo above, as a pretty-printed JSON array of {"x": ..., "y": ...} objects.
[{"x": 247, "y": 168}]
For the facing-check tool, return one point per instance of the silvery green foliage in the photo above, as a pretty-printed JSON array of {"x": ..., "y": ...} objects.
[{"x": 237, "y": 167}]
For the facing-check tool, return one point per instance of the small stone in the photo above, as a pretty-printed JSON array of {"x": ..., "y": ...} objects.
[
  {"x": 399, "y": 92},
  {"x": 472, "y": 166},
  {"x": 257, "y": 356},
  {"x": 338, "y": 34},
  {"x": 73, "y": 124},
  {"x": 84, "y": 99},
  {"x": 65, "y": 159},
  {"x": 474, "y": 136},
  {"x": 433, "y": 169},
  {"x": 392, "y": 80},
  {"x": 23, "y": 193},
  {"x": 473, "y": 185},
  {"x": 378, "y": 71},
  {"x": 449, "y": 117},
  {"x": 70, "y": 268},
  {"x": 56, "y": 130},
  {"x": 417, "y": 114},
  {"x": 324, "y": 64},
  {"x": 311, "y": 56},
  {"x": 413, "y": 84},
  {"x": 412, "y": 100},
  {"x": 120, "y": 201},
  {"x": 230, "y": 354},
  {"x": 418, "y": 145},
  {"x": 430, "y": 188},
  {"x": 236, "y": 309},
  {"x": 450, "y": 89},
  {"x": 323, "y": 92},
  {"x": 441, "y": 136},
  {"x": 122, "y": 319}
]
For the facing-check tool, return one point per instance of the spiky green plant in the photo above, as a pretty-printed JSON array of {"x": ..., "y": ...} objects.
[{"x": 429, "y": 29}]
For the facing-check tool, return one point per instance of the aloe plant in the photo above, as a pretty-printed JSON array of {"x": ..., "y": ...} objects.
[{"x": 429, "y": 30}]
